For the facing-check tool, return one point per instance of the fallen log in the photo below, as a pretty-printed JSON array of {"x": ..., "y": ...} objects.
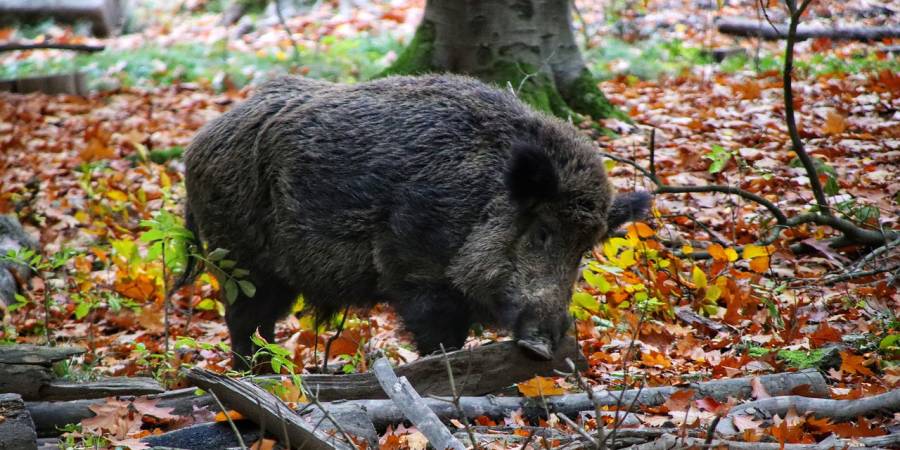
[
  {"x": 384, "y": 413},
  {"x": 16, "y": 427},
  {"x": 24, "y": 379},
  {"x": 36, "y": 354},
  {"x": 765, "y": 30},
  {"x": 48, "y": 416},
  {"x": 14, "y": 46},
  {"x": 670, "y": 441},
  {"x": 105, "y": 16},
  {"x": 408, "y": 400},
  {"x": 26, "y": 370},
  {"x": 206, "y": 436},
  {"x": 840, "y": 410},
  {"x": 58, "y": 390},
  {"x": 478, "y": 371},
  {"x": 263, "y": 408},
  {"x": 886, "y": 404},
  {"x": 74, "y": 83}
]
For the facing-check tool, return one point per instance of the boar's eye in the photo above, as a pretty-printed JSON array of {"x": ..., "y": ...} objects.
[{"x": 541, "y": 236}]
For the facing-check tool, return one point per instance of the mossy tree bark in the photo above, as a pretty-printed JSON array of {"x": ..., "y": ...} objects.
[{"x": 526, "y": 45}]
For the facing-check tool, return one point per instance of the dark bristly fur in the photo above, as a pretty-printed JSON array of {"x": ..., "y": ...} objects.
[{"x": 448, "y": 198}]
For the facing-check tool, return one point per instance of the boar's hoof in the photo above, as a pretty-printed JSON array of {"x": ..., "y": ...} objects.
[{"x": 537, "y": 348}]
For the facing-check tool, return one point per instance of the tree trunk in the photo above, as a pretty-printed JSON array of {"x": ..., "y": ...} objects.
[{"x": 525, "y": 45}]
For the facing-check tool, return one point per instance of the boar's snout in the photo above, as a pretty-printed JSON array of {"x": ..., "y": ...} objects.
[{"x": 539, "y": 332}]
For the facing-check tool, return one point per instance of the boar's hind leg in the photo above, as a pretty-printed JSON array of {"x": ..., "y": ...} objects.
[
  {"x": 434, "y": 317},
  {"x": 246, "y": 315}
]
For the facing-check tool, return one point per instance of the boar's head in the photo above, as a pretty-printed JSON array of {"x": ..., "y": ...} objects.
[{"x": 521, "y": 262}]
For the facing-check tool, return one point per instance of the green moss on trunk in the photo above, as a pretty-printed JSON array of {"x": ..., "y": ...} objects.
[
  {"x": 416, "y": 57},
  {"x": 582, "y": 97},
  {"x": 535, "y": 88},
  {"x": 585, "y": 97}
]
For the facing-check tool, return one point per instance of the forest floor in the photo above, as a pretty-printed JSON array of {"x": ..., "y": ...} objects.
[{"x": 84, "y": 174}]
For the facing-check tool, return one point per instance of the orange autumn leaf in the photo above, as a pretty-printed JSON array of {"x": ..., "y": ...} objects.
[
  {"x": 656, "y": 359},
  {"x": 640, "y": 229},
  {"x": 748, "y": 90},
  {"x": 760, "y": 264},
  {"x": 835, "y": 123},
  {"x": 851, "y": 363},
  {"x": 540, "y": 386},
  {"x": 232, "y": 414},
  {"x": 717, "y": 252},
  {"x": 824, "y": 334},
  {"x": 263, "y": 444}
]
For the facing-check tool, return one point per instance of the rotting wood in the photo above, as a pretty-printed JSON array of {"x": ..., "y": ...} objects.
[
  {"x": 413, "y": 406},
  {"x": 765, "y": 30},
  {"x": 885, "y": 404},
  {"x": 383, "y": 412},
  {"x": 204, "y": 436},
  {"x": 57, "y": 390},
  {"x": 479, "y": 370},
  {"x": 16, "y": 427},
  {"x": 49, "y": 415},
  {"x": 105, "y": 16},
  {"x": 670, "y": 441},
  {"x": 36, "y": 354},
  {"x": 74, "y": 83},
  {"x": 24, "y": 379},
  {"x": 263, "y": 408}
]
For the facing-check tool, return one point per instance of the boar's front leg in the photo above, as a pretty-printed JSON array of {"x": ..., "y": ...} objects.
[
  {"x": 270, "y": 303},
  {"x": 435, "y": 315}
]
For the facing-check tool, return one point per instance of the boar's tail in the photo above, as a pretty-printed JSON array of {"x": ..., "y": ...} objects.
[{"x": 190, "y": 268}]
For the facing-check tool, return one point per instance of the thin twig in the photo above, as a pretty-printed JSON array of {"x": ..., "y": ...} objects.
[
  {"x": 811, "y": 171},
  {"x": 875, "y": 254},
  {"x": 456, "y": 404},
  {"x": 287, "y": 30},
  {"x": 314, "y": 399},
  {"x": 652, "y": 147},
  {"x": 578, "y": 429},
  {"x": 600, "y": 442},
  {"x": 333, "y": 338},
  {"x": 851, "y": 275},
  {"x": 652, "y": 177},
  {"x": 230, "y": 422}
]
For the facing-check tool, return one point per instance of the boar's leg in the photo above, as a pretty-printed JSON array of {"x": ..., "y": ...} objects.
[
  {"x": 247, "y": 314},
  {"x": 435, "y": 316}
]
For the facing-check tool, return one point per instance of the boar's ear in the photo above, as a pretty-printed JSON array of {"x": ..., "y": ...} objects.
[
  {"x": 531, "y": 176},
  {"x": 626, "y": 208}
]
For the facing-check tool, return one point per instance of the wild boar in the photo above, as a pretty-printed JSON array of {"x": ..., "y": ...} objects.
[{"x": 445, "y": 197}]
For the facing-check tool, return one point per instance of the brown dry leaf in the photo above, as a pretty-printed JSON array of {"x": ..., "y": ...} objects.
[
  {"x": 758, "y": 391},
  {"x": 414, "y": 441},
  {"x": 153, "y": 414},
  {"x": 114, "y": 417},
  {"x": 540, "y": 386},
  {"x": 680, "y": 400}
]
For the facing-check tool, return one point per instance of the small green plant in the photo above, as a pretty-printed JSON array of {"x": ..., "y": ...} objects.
[
  {"x": 719, "y": 157},
  {"x": 230, "y": 277},
  {"x": 49, "y": 268},
  {"x": 73, "y": 437}
]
